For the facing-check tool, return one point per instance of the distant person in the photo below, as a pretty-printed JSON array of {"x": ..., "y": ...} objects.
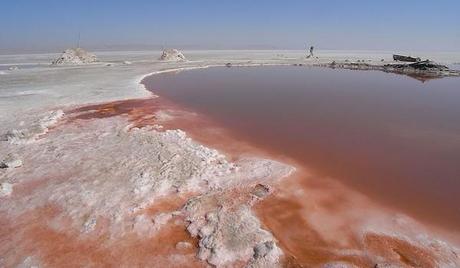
[{"x": 311, "y": 52}]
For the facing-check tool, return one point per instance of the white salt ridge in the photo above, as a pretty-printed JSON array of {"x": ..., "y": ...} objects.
[
  {"x": 266, "y": 254},
  {"x": 228, "y": 235},
  {"x": 30, "y": 134},
  {"x": 118, "y": 186},
  {"x": 104, "y": 183}
]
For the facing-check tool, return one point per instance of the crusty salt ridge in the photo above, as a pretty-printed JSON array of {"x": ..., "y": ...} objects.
[
  {"x": 229, "y": 232},
  {"x": 75, "y": 56},
  {"x": 159, "y": 164},
  {"x": 31, "y": 133},
  {"x": 78, "y": 171},
  {"x": 104, "y": 184},
  {"x": 172, "y": 55}
]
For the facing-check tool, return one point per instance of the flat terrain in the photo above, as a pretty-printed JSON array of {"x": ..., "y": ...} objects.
[{"x": 98, "y": 171}]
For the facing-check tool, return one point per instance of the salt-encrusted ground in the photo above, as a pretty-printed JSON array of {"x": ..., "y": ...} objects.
[{"x": 88, "y": 190}]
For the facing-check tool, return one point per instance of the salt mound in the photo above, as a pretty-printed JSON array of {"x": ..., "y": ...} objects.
[
  {"x": 75, "y": 56},
  {"x": 172, "y": 55}
]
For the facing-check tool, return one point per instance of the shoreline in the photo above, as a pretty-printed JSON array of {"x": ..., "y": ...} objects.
[
  {"x": 196, "y": 216},
  {"x": 396, "y": 225},
  {"x": 378, "y": 211},
  {"x": 392, "y": 229}
]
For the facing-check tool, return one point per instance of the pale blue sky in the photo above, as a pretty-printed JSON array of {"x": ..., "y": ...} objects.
[{"x": 52, "y": 25}]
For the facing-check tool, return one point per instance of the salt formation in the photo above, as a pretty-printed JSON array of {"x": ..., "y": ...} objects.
[
  {"x": 75, "y": 56},
  {"x": 229, "y": 232},
  {"x": 102, "y": 183},
  {"x": 30, "y": 134},
  {"x": 159, "y": 164},
  {"x": 172, "y": 55}
]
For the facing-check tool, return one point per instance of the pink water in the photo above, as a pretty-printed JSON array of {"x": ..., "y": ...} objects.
[{"x": 389, "y": 136}]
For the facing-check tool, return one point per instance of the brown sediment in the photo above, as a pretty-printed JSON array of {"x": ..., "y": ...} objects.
[
  {"x": 283, "y": 218},
  {"x": 305, "y": 246},
  {"x": 398, "y": 250},
  {"x": 300, "y": 240},
  {"x": 34, "y": 236},
  {"x": 64, "y": 247},
  {"x": 141, "y": 112}
]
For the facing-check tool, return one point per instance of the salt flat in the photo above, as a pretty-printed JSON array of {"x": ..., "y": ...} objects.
[{"x": 89, "y": 187}]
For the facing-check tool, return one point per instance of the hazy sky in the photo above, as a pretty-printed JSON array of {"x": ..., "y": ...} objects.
[{"x": 52, "y": 25}]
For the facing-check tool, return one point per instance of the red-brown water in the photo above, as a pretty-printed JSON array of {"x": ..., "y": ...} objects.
[{"x": 391, "y": 137}]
